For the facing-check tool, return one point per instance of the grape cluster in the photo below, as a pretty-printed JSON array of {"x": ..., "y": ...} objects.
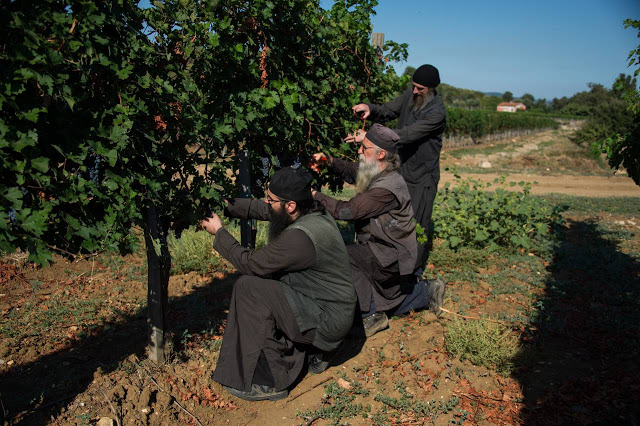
[
  {"x": 265, "y": 166},
  {"x": 12, "y": 215},
  {"x": 297, "y": 163},
  {"x": 94, "y": 172},
  {"x": 23, "y": 190}
]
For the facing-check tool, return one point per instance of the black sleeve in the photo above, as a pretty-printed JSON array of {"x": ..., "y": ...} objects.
[
  {"x": 370, "y": 203},
  {"x": 247, "y": 208},
  {"x": 388, "y": 111},
  {"x": 292, "y": 251}
]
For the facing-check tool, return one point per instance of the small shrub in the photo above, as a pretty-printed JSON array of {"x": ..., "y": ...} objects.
[
  {"x": 193, "y": 251},
  {"x": 469, "y": 215},
  {"x": 483, "y": 343}
]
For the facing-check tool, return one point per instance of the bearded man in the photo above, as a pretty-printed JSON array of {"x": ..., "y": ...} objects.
[
  {"x": 294, "y": 300},
  {"x": 421, "y": 121},
  {"x": 386, "y": 246}
]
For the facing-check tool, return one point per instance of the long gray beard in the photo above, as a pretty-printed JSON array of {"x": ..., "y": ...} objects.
[
  {"x": 367, "y": 172},
  {"x": 420, "y": 101}
]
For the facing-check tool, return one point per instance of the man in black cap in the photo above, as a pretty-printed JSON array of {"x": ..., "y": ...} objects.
[
  {"x": 294, "y": 298},
  {"x": 421, "y": 121},
  {"x": 386, "y": 246}
]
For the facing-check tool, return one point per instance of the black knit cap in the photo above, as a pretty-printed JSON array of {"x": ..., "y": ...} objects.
[
  {"x": 427, "y": 75},
  {"x": 291, "y": 184},
  {"x": 383, "y": 137}
]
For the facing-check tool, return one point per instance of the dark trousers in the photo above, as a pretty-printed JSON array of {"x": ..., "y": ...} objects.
[
  {"x": 422, "y": 199},
  {"x": 373, "y": 281},
  {"x": 261, "y": 325}
]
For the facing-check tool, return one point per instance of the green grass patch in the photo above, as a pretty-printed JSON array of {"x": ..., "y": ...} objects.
[
  {"x": 193, "y": 251},
  {"x": 545, "y": 144},
  {"x": 615, "y": 205},
  {"x": 483, "y": 343}
]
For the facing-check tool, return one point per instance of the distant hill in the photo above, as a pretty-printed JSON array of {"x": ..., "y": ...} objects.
[
  {"x": 498, "y": 94},
  {"x": 469, "y": 99}
]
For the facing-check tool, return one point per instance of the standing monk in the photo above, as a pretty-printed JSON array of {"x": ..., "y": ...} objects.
[
  {"x": 421, "y": 120},
  {"x": 294, "y": 298}
]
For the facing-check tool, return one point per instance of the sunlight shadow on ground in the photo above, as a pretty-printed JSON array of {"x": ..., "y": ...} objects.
[{"x": 585, "y": 361}]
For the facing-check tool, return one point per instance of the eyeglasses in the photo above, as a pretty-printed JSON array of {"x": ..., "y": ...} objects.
[
  {"x": 364, "y": 148},
  {"x": 272, "y": 201}
]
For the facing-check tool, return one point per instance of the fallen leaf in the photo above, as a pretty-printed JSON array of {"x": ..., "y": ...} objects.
[{"x": 344, "y": 384}]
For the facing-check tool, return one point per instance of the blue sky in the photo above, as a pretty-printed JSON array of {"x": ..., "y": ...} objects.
[{"x": 546, "y": 48}]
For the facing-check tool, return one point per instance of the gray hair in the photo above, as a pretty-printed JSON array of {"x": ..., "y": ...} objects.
[{"x": 390, "y": 159}]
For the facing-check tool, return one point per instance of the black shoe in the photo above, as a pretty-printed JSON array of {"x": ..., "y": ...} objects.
[
  {"x": 258, "y": 393},
  {"x": 319, "y": 362},
  {"x": 435, "y": 293},
  {"x": 374, "y": 323}
]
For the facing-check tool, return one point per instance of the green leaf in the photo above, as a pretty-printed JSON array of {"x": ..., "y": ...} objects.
[
  {"x": 32, "y": 115},
  {"x": 101, "y": 40},
  {"x": 240, "y": 124},
  {"x": 225, "y": 129},
  {"x": 41, "y": 164},
  {"x": 110, "y": 184},
  {"x": 41, "y": 257},
  {"x": 14, "y": 196},
  {"x": 145, "y": 81},
  {"x": 112, "y": 157},
  {"x": 3, "y": 131},
  {"x": 25, "y": 139},
  {"x": 124, "y": 73},
  {"x": 70, "y": 101},
  {"x": 270, "y": 102}
]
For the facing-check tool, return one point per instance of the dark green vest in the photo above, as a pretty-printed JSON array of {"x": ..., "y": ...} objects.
[{"x": 322, "y": 296}]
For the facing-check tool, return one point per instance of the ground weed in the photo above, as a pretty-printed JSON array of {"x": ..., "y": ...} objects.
[{"x": 482, "y": 343}]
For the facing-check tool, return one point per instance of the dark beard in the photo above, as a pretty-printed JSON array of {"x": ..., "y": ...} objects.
[
  {"x": 420, "y": 100},
  {"x": 278, "y": 222}
]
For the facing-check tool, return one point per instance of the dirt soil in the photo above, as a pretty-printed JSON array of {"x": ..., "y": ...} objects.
[
  {"x": 73, "y": 341},
  {"x": 548, "y": 158}
]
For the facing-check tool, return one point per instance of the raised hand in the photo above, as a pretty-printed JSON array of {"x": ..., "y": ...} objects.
[
  {"x": 212, "y": 224},
  {"x": 361, "y": 111},
  {"x": 318, "y": 160},
  {"x": 355, "y": 137}
]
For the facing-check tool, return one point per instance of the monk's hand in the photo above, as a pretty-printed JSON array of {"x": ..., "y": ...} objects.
[
  {"x": 212, "y": 224},
  {"x": 355, "y": 137},
  {"x": 318, "y": 161},
  {"x": 361, "y": 111}
]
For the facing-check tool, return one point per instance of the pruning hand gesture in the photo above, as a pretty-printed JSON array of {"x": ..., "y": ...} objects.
[
  {"x": 319, "y": 160},
  {"x": 212, "y": 224}
]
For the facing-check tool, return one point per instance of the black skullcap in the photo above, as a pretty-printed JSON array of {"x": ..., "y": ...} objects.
[
  {"x": 427, "y": 75},
  {"x": 383, "y": 137},
  {"x": 291, "y": 184}
]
